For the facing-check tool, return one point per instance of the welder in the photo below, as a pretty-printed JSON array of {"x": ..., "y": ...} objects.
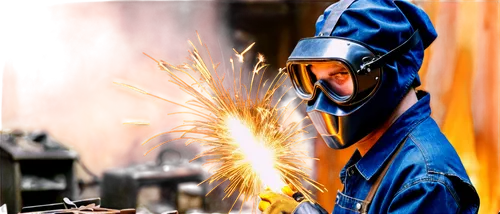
[{"x": 359, "y": 75}]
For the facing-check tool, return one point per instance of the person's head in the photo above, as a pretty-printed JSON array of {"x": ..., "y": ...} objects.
[{"x": 359, "y": 66}]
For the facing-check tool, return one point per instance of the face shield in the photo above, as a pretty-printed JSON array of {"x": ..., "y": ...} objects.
[
  {"x": 337, "y": 76},
  {"x": 352, "y": 88}
]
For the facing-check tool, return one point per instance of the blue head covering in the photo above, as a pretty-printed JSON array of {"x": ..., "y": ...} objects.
[{"x": 383, "y": 25}]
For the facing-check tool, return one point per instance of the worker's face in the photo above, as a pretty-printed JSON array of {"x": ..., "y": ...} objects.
[{"x": 336, "y": 74}]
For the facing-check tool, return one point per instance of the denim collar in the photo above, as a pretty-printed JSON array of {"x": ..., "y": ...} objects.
[{"x": 380, "y": 153}]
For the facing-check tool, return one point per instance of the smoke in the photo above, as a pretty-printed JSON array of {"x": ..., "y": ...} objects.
[{"x": 60, "y": 60}]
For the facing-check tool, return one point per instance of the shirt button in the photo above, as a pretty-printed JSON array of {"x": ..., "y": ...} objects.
[
  {"x": 358, "y": 206},
  {"x": 350, "y": 172}
]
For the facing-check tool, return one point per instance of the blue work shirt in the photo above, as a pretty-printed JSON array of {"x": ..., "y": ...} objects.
[{"x": 426, "y": 176}]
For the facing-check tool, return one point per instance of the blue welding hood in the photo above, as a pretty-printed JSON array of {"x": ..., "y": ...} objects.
[{"x": 380, "y": 45}]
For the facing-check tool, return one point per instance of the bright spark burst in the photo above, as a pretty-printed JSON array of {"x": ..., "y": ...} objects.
[{"x": 249, "y": 145}]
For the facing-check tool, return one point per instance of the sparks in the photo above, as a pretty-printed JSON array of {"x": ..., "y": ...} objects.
[
  {"x": 140, "y": 123},
  {"x": 130, "y": 87},
  {"x": 249, "y": 145}
]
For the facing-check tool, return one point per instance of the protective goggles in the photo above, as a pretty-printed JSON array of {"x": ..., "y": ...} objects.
[{"x": 347, "y": 71}]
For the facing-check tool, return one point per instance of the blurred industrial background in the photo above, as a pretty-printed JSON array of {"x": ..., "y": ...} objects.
[{"x": 58, "y": 62}]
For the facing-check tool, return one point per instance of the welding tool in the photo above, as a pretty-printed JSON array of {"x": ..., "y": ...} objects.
[
  {"x": 296, "y": 195},
  {"x": 67, "y": 204},
  {"x": 86, "y": 206},
  {"x": 299, "y": 197}
]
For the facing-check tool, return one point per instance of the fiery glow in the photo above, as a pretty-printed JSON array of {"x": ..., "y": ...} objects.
[
  {"x": 255, "y": 153},
  {"x": 250, "y": 145}
]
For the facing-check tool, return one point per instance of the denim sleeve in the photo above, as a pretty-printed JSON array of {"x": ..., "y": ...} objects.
[
  {"x": 307, "y": 207},
  {"x": 425, "y": 196}
]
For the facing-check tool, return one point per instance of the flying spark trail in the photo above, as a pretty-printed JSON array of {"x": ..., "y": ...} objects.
[
  {"x": 136, "y": 123},
  {"x": 250, "y": 146}
]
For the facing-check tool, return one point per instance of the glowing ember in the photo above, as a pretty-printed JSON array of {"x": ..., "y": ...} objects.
[{"x": 249, "y": 145}]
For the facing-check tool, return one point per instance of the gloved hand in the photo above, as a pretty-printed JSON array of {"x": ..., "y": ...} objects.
[{"x": 277, "y": 203}]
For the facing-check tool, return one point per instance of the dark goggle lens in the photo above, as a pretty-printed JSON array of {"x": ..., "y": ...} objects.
[
  {"x": 303, "y": 80},
  {"x": 335, "y": 77}
]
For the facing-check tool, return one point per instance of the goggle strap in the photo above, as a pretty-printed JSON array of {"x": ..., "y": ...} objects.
[
  {"x": 391, "y": 55},
  {"x": 332, "y": 19}
]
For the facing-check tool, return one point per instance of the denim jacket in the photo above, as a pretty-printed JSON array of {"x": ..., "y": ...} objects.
[{"x": 426, "y": 176}]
